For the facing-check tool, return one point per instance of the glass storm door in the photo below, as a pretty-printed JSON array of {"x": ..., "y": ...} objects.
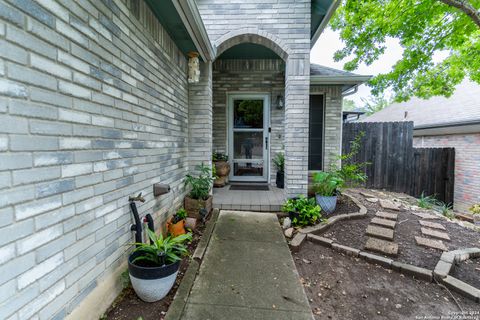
[{"x": 248, "y": 138}]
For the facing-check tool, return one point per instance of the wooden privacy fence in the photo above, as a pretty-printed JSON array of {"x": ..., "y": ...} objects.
[{"x": 395, "y": 165}]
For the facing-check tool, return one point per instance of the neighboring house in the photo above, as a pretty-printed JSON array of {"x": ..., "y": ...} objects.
[
  {"x": 447, "y": 122},
  {"x": 95, "y": 106}
]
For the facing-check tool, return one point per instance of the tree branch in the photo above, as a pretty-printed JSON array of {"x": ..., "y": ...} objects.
[{"x": 466, "y": 7}]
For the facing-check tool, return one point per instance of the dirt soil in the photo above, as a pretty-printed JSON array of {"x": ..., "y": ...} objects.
[
  {"x": 468, "y": 271},
  {"x": 342, "y": 287},
  {"x": 128, "y": 306},
  {"x": 352, "y": 233},
  {"x": 344, "y": 206}
]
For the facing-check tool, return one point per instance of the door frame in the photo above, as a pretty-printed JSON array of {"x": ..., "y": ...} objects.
[{"x": 266, "y": 134}]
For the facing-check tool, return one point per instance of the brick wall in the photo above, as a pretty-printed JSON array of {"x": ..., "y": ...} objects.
[
  {"x": 276, "y": 24},
  {"x": 93, "y": 108},
  {"x": 467, "y": 165}
]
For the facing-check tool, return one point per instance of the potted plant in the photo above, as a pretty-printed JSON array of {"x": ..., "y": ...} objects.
[
  {"x": 199, "y": 196},
  {"x": 222, "y": 169},
  {"x": 279, "y": 163},
  {"x": 475, "y": 210},
  {"x": 302, "y": 211},
  {"x": 176, "y": 225},
  {"x": 153, "y": 267},
  {"x": 326, "y": 186}
]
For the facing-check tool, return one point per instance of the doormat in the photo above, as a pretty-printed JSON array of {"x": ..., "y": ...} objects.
[{"x": 250, "y": 187}]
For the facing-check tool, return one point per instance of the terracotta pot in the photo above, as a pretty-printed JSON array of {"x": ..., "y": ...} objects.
[
  {"x": 193, "y": 206},
  {"x": 222, "y": 168},
  {"x": 176, "y": 229},
  {"x": 220, "y": 182}
]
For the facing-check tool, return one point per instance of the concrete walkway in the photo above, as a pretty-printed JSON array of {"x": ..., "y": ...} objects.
[{"x": 247, "y": 273}]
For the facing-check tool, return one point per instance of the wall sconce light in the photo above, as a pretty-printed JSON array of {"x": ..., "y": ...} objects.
[
  {"x": 193, "y": 67},
  {"x": 280, "y": 102}
]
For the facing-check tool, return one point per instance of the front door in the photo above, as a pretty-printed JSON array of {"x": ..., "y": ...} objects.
[{"x": 248, "y": 139}]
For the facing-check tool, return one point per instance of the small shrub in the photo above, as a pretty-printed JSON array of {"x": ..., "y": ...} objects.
[
  {"x": 426, "y": 202},
  {"x": 201, "y": 184},
  {"x": 180, "y": 215},
  {"x": 218, "y": 156},
  {"x": 279, "y": 161},
  {"x": 352, "y": 172},
  {"x": 327, "y": 183},
  {"x": 306, "y": 211},
  {"x": 445, "y": 209},
  {"x": 475, "y": 209}
]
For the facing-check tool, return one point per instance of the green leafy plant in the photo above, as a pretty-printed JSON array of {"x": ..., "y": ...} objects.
[
  {"x": 305, "y": 211},
  {"x": 445, "y": 208},
  {"x": 475, "y": 209},
  {"x": 180, "y": 215},
  {"x": 125, "y": 279},
  {"x": 352, "y": 172},
  {"x": 162, "y": 251},
  {"x": 279, "y": 161},
  {"x": 200, "y": 184},
  {"x": 426, "y": 202},
  {"x": 327, "y": 183},
  {"x": 218, "y": 156}
]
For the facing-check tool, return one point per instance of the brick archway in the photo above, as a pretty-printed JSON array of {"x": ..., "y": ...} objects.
[{"x": 252, "y": 35}]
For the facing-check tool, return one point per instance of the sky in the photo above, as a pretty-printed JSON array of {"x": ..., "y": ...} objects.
[{"x": 329, "y": 42}]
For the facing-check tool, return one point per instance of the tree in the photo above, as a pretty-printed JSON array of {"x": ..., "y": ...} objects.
[
  {"x": 348, "y": 105},
  {"x": 374, "y": 104},
  {"x": 423, "y": 28}
]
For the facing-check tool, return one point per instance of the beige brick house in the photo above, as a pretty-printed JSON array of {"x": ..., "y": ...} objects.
[{"x": 96, "y": 104}]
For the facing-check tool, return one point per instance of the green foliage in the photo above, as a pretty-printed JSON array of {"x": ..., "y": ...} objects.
[
  {"x": 375, "y": 104},
  {"x": 351, "y": 172},
  {"x": 162, "y": 250},
  {"x": 218, "y": 156},
  {"x": 201, "y": 184},
  {"x": 475, "y": 209},
  {"x": 423, "y": 28},
  {"x": 348, "y": 105},
  {"x": 426, "y": 202},
  {"x": 445, "y": 209},
  {"x": 327, "y": 183},
  {"x": 279, "y": 161},
  {"x": 180, "y": 215},
  {"x": 307, "y": 209}
]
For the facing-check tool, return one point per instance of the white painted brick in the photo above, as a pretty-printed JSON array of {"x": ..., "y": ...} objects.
[
  {"x": 53, "y": 217},
  {"x": 38, "y": 239},
  {"x": 78, "y": 169},
  {"x": 3, "y": 143},
  {"x": 103, "y": 121},
  {"x": 40, "y": 301},
  {"x": 7, "y": 252},
  {"x": 33, "y": 208},
  {"x": 73, "y": 62},
  {"x": 39, "y": 270},
  {"x": 55, "y": 8},
  {"x": 73, "y": 116},
  {"x": 74, "y": 143},
  {"x": 74, "y": 90}
]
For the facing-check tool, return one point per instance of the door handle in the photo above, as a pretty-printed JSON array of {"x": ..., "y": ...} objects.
[{"x": 266, "y": 143}]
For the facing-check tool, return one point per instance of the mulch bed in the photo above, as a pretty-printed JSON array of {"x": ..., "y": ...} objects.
[
  {"x": 468, "y": 271},
  {"x": 342, "y": 287},
  {"x": 352, "y": 233},
  {"x": 128, "y": 306}
]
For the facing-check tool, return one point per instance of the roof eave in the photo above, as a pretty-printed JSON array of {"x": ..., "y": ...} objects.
[
  {"x": 331, "y": 10},
  {"x": 353, "y": 79},
  {"x": 188, "y": 11}
]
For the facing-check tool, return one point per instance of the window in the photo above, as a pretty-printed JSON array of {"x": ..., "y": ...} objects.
[{"x": 315, "y": 139}]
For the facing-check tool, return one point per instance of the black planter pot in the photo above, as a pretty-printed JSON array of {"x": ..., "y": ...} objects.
[
  {"x": 280, "y": 179},
  {"x": 149, "y": 282}
]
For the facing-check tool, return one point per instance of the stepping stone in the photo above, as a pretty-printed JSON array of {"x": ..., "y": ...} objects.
[
  {"x": 372, "y": 200},
  {"x": 424, "y": 215},
  {"x": 435, "y": 234},
  {"x": 389, "y": 205},
  {"x": 386, "y": 215},
  {"x": 432, "y": 225},
  {"x": 384, "y": 222},
  {"x": 430, "y": 243},
  {"x": 367, "y": 195},
  {"x": 379, "y": 232},
  {"x": 382, "y": 246}
]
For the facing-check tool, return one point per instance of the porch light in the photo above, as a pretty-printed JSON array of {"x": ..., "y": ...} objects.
[
  {"x": 193, "y": 67},
  {"x": 280, "y": 103}
]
